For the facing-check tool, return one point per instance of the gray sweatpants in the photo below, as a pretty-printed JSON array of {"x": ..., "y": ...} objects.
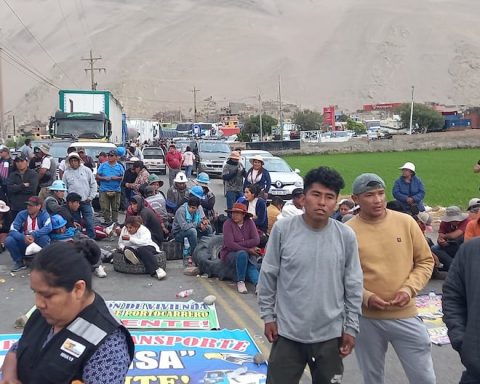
[{"x": 410, "y": 340}]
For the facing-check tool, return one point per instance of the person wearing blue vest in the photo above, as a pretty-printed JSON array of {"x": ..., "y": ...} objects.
[{"x": 71, "y": 336}]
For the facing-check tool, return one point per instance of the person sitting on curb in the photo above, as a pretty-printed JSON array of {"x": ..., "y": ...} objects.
[
  {"x": 55, "y": 200},
  {"x": 450, "y": 235},
  {"x": 190, "y": 222},
  {"x": 136, "y": 243},
  {"x": 177, "y": 194},
  {"x": 473, "y": 227},
  {"x": 240, "y": 242},
  {"x": 31, "y": 225},
  {"x": 295, "y": 206}
]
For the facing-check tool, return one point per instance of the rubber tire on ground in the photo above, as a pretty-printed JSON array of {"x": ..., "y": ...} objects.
[
  {"x": 173, "y": 249},
  {"x": 120, "y": 264},
  {"x": 206, "y": 257}
]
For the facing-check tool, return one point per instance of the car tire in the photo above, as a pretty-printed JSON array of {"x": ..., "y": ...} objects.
[
  {"x": 121, "y": 265},
  {"x": 207, "y": 257},
  {"x": 173, "y": 249}
]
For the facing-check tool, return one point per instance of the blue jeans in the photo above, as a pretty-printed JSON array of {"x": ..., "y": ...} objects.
[
  {"x": 192, "y": 235},
  {"x": 188, "y": 171},
  {"x": 15, "y": 244},
  {"x": 232, "y": 197},
  {"x": 246, "y": 270},
  {"x": 86, "y": 210}
]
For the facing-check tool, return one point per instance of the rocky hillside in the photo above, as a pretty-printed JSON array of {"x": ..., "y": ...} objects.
[{"x": 347, "y": 52}]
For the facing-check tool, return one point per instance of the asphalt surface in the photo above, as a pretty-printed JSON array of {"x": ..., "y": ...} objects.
[{"x": 235, "y": 311}]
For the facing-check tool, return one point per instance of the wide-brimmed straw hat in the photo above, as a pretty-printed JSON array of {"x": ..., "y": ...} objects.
[
  {"x": 257, "y": 158},
  {"x": 239, "y": 207},
  {"x": 453, "y": 213}
]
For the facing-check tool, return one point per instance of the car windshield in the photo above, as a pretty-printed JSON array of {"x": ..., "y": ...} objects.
[
  {"x": 182, "y": 145},
  {"x": 59, "y": 150},
  {"x": 276, "y": 165},
  {"x": 214, "y": 148},
  {"x": 152, "y": 153}
]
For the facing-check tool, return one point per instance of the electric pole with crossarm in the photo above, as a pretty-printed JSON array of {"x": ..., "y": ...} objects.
[{"x": 92, "y": 69}]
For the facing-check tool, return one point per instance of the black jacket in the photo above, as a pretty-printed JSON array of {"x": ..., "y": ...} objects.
[
  {"x": 461, "y": 309},
  {"x": 18, "y": 194},
  {"x": 150, "y": 220},
  {"x": 62, "y": 359}
]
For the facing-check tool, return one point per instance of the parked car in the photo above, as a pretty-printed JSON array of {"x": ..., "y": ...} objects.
[
  {"x": 58, "y": 148},
  {"x": 154, "y": 160},
  {"x": 284, "y": 178},
  {"x": 211, "y": 155},
  {"x": 93, "y": 149}
]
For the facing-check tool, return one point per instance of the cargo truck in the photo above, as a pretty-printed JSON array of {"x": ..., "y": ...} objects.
[{"x": 89, "y": 115}]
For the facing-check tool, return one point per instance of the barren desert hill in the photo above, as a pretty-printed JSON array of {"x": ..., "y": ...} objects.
[{"x": 346, "y": 52}]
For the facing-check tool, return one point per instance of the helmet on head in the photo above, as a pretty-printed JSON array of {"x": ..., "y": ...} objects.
[
  {"x": 197, "y": 191},
  {"x": 121, "y": 151},
  {"x": 180, "y": 178},
  {"x": 202, "y": 178},
  {"x": 58, "y": 222},
  {"x": 58, "y": 185}
]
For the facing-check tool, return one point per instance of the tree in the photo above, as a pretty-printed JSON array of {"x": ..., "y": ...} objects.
[
  {"x": 356, "y": 126},
  {"x": 427, "y": 118},
  {"x": 308, "y": 120},
  {"x": 252, "y": 125}
]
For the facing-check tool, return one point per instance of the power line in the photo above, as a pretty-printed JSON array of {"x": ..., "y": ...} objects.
[
  {"x": 40, "y": 44},
  {"x": 12, "y": 61},
  {"x": 24, "y": 62},
  {"x": 92, "y": 69},
  {"x": 65, "y": 20}
]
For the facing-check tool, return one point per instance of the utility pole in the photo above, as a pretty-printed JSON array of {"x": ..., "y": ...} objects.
[
  {"x": 2, "y": 130},
  {"x": 411, "y": 112},
  {"x": 195, "y": 90},
  {"x": 280, "y": 117},
  {"x": 260, "y": 114},
  {"x": 92, "y": 69}
]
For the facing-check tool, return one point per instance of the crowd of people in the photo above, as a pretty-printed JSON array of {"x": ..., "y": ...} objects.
[{"x": 352, "y": 267}]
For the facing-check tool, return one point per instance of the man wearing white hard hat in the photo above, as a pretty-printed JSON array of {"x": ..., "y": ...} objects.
[
  {"x": 408, "y": 190},
  {"x": 177, "y": 194}
]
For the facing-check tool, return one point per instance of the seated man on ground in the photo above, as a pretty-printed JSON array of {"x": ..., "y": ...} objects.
[
  {"x": 71, "y": 210},
  {"x": 32, "y": 225},
  {"x": 473, "y": 226},
  {"x": 136, "y": 243},
  {"x": 177, "y": 194},
  {"x": 208, "y": 200},
  {"x": 55, "y": 200},
  {"x": 295, "y": 206},
  {"x": 240, "y": 246},
  {"x": 450, "y": 235},
  {"x": 190, "y": 222}
]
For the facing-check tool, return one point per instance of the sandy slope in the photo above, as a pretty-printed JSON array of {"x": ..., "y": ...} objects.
[{"x": 345, "y": 52}]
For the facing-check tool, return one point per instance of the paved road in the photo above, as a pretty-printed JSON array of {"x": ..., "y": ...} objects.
[{"x": 234, "y": 310}]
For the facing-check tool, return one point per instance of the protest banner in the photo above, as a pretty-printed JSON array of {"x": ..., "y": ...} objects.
[
  {"x": 430, "y": 311},
  {"x": 188, "y": 357},
  {"x": 165, "y": 314}
]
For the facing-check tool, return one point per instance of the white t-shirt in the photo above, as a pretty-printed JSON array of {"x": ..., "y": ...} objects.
[{"x": 46, "y": 163}]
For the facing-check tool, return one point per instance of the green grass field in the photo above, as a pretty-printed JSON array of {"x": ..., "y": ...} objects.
[{"x": 447, "y": 174}]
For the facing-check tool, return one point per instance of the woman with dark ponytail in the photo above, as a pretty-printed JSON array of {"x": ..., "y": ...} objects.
[{"x": 71, "y": 335}]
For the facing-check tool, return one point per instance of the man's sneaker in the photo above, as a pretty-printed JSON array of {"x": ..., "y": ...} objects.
[
  {"x": 160, "y": 273},
  {"x": 19, "y": 267},
  {"x": 241, "y": 288},
  {"x": 131, "y": 257},
  {"x": 100, "y": 271}
]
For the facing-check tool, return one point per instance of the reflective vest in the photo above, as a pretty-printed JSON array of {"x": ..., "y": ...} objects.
[{"x": 62, "y": 359}]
